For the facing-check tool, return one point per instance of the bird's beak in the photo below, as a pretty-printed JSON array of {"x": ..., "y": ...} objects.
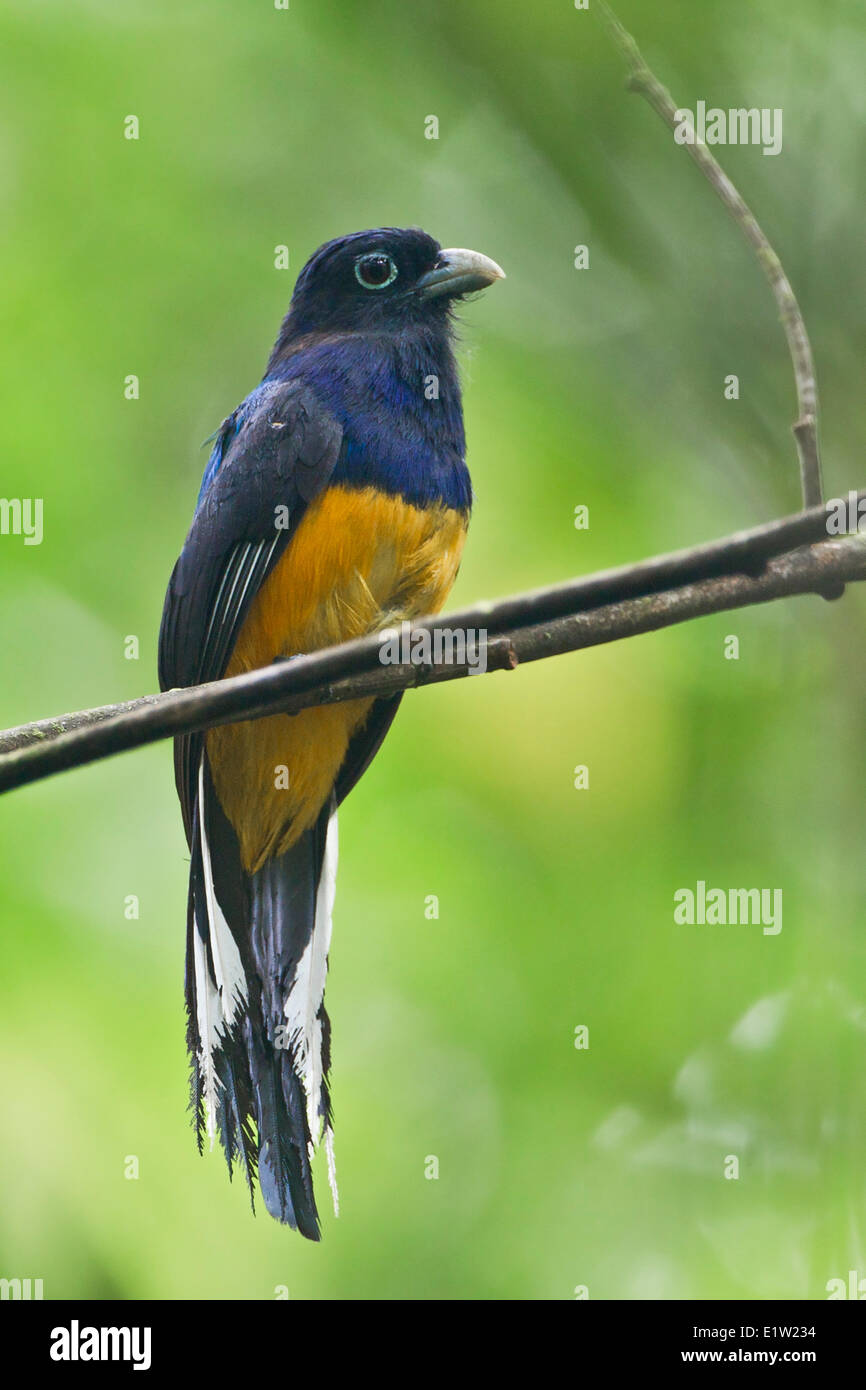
[{"x": 458, "y": 271}]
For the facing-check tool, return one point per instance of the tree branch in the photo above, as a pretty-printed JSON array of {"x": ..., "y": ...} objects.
[
  {"x": 750, "y": 567},
  {"x": 642, "y": 79}
]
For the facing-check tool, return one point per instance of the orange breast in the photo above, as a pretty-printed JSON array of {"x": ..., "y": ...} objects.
[{"x": 360, "y": 560}]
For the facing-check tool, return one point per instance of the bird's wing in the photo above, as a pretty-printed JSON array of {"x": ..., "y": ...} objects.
[{"x": 272, "y": 456}]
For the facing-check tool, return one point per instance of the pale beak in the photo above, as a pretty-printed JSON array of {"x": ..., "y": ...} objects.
[{"x": 459, "y": 271}]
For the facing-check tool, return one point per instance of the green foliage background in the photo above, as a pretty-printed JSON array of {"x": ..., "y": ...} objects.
[{"x": 453, "y": 1037}]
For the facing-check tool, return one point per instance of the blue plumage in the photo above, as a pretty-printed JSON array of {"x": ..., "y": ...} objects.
[{"x": 368, "y": 384}]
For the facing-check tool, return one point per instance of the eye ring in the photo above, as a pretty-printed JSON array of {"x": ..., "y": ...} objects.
[{"x": 370, "y": 267}]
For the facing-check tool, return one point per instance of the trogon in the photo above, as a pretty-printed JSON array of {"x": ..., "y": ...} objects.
[{"x": 335, "y": 502}]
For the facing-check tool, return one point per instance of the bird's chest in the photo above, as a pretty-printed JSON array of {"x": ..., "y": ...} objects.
[{"x": 359, "y": 560}]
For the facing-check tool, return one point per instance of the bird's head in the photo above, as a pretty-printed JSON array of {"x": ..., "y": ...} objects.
[{"x": 387, "y": 279}]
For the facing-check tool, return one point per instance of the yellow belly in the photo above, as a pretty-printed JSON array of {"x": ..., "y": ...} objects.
[{"x": 360, "y": 560}]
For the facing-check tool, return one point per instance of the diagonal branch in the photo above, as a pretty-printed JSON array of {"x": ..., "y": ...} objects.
[
  {"x": 642, "y": 79},
  {"x": 786, "y": 557}
]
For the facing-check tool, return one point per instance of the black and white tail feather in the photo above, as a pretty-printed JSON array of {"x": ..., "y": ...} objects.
[{"x": 258, "y": 1032}]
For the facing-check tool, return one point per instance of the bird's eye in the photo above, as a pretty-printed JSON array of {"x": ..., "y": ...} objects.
[{"x": 375, "y": 271}]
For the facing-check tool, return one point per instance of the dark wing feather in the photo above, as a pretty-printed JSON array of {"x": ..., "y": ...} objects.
[{"x": 277, "y": 451}]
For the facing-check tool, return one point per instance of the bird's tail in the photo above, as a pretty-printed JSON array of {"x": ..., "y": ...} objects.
[{"x": 258, "y": 1033}]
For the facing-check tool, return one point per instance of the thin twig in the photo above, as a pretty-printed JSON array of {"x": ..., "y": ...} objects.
[
  {"x": 749, "y": 567},
  {"x": 642, "y": 79}
]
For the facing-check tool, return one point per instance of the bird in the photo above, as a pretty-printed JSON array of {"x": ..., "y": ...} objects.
[{"x": 335, "y": 503}]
